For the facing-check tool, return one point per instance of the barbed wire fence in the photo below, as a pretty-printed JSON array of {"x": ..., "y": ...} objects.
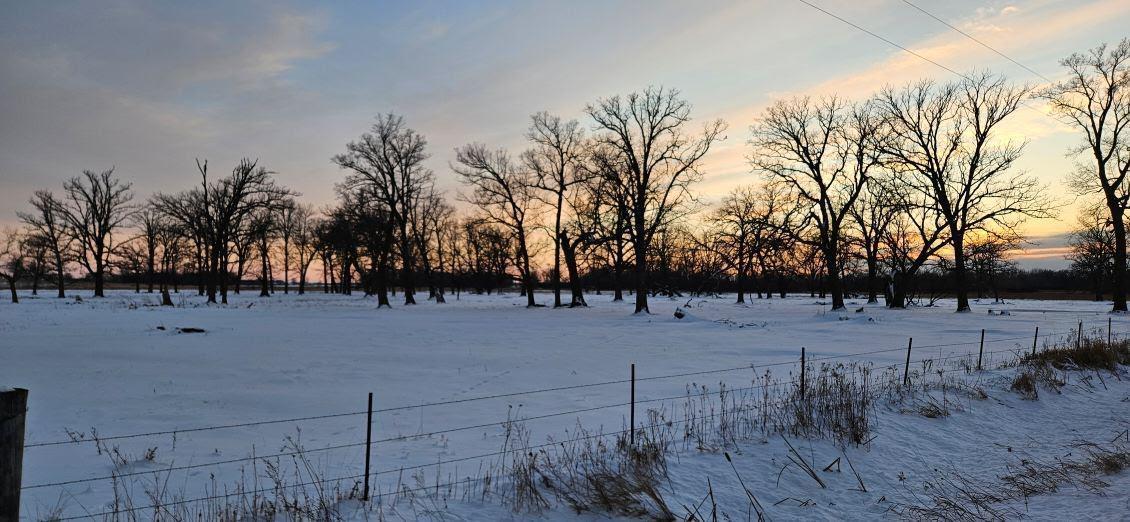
[{"x": 801, "y": 364}]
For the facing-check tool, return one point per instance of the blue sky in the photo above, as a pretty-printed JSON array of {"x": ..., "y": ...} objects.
[{"x": 148, "y": 87}]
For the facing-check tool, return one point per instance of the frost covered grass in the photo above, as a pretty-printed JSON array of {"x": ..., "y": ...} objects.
[{"x": 106, "y": 365}]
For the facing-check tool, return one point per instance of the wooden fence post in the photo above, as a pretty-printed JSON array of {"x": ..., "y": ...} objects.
[
  {"x": 1079, "y": 339},
  {"x": 981, "y": 351},
  {"x": 13, "y": 408},
  {"x": 368, "y": 447},
  {"x": 1034, "y": 338},
  {"x": 906, "y": 369},
  {"x": 1108, "y": 332}
]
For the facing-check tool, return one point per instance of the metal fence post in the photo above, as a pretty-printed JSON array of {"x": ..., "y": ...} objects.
[
  {"x": 632, "y": 414},
  {"x": 368, "y": 446},
  {"x": 906, "y": 369},
  {"x": 802, "y": 369},
  {"x": 981, "y": 351}
]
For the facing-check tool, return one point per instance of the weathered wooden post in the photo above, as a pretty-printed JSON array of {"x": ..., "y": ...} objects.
[
  {"x": 13, "y": 408},
  {"x": 1034, "y": 339}
]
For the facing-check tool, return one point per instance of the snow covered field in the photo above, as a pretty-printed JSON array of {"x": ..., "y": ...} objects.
[{"x": 119, "y": 366}]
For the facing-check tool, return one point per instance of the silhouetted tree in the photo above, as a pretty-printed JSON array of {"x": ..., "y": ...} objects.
[
  {"x": 1095, "y": 98},
  {"x": 823, "y": 152},
  {"x": 48, "y": 224},
  {"x": 555, "y": 159},
  {"x": 657, "y": 159},
  {"x": 504, "y": 192},
  {"x": 96, "y": 205},
  {"x": 1093, "y": 248},
  {"x": 12, "y": 258},
  {"x": 388, "y": 160},
  {"x": 943, "y": 141}
]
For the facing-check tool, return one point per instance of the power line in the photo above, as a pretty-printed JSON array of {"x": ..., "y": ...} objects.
[
  {"x": 975, "y": 39},
  {"x": 880, "y": 37}
]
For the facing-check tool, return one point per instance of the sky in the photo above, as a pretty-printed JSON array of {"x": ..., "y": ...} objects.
[{"x": 148, "y": 87}]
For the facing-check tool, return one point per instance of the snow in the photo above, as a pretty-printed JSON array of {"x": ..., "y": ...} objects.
[{"x": 104, "y": 365}]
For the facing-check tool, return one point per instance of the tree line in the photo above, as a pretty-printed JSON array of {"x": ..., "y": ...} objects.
[{"x": 885, "y": 196}]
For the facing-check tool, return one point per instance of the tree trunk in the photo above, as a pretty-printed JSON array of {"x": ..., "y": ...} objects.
[
  {"x": 557, "y": 253},
  {"x": 527, "y": 275},
  {"x": 286, "y": 266},
  {"x": 100, "y": 281},
  {"x": 406, "y": 261},
  {"x": 382, "y": 285},
  {"x": 1118, "y": 281},
  {"x": 641, "y": 277},
  {"x": 12, "y": 287},
  {"x": 570, "y": 252},
  {"x": 212, "y": 274},
  {"x": 898, "y": 291},
  {"x": 264, "y": 282},
  {"x": 62, "y": 275},
  {"x": 740, "y": 279},
  {"x": 959, "y": 275},
  {"x": 150, "y": 273},
  {"x": 872, "y": 279}
]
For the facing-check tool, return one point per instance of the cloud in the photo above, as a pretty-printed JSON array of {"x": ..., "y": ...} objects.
[{"x": 77, "y": 93}]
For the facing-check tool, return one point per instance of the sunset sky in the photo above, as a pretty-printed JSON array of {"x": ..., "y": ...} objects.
[{"x": 148, "y": 87}]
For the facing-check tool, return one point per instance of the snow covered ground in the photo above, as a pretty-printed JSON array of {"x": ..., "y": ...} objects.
[{"x": 119, "y": 366}]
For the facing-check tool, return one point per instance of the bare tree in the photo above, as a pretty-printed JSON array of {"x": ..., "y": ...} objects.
[
  {"x": 96, "y": 205},
  {"x": 555, "y": 159},
  {"x": 218, "y": 210},
  {"x": 1095, "y": 98},
  {"x": 608, "y": 216},
  {"x": 389, "y": 161},
  {"x": 872, "y": 215},
  {"x": 287, "y": 223},
  {"x": 12, "y": 258},
  {"x": 735, "y": 221},
  {"x": 48, "y": 223},
  {"x": 944, "y": 142},
  {"x": 304, "y": 225},
  {"x": 149, "y": 222},
  {"x": 1092, "y": 245},
  {"x": 262, "y": 229},
  {"x": 823, "y": 152},
  {"x": 990, "y": 258},
  {"x": 431, "y": 222},
  {"x": 658, "y": 161},
  {"x": 37, "y": 251},
  {"x": 915, "y": 235},
  {"x": 504, "y": 192}
]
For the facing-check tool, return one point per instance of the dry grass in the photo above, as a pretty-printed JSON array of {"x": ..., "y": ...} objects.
[
  {"x": 1090, "y": 354},
  {"x": 953, "y": 495}
]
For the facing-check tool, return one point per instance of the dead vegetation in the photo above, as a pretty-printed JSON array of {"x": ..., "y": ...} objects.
[
  {"x": 610, "y": 474},
  {"x": 1047, "y": 368},
  {"x": 954, "y": 495},
  {"x": 1087, "y": 354}
]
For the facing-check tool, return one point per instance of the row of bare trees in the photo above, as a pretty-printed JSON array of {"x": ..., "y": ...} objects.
[{"x": 912, "y": 180}]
